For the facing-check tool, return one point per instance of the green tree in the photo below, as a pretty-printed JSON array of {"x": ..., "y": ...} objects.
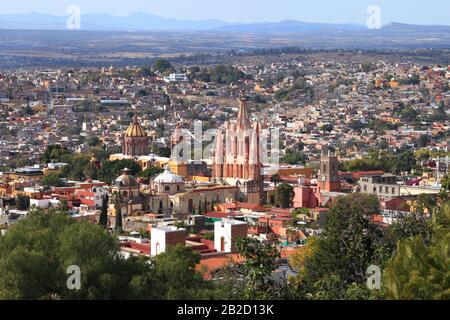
[
  {"x": 54, "y": 153},
  {"x": 421, "y": 269},
  {"x": 327, "y": 127},
  {"x": 36, "y": 253},
  {"x": 446, "y": 183},
  {"x": 163, "y": 66},
  {"x": 93, "y": 141},
  {"x": 222, "y": 74},
  {"x": 260, "y": 262},
  {"x": 150, "y": 173},
  {"x": 112, "y": 169},
  {"x": 409, "y": 225},
  {"x": 52, "y": 180},
  {"x": 22, "y": 202},
  {"x": 79, "y": 168},
  {"x": 118, "y": 202},
  {"x": 297, "y": 212},
  {"x": 103, "y": 220},
  {"x": 426, "y": 203},
  {"x": 175, "y": 271},
  {"x": 284, "y": 196},
  {"x": 350, "y": 244},
  {"x": 409, "y": 114},
  {"x": 294, "y": 157},
  {"x": 146, "y": 72},
  {"x": 405, "y": 162},
  {"x": 64, "y": 205}
]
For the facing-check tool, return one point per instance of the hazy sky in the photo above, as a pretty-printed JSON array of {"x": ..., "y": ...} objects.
[{"x": 338, "y": 11}]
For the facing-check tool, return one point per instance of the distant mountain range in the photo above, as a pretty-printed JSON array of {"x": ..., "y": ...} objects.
[
  {"x": 141, "y": 21},
  {"x": 138, "y": 21}
]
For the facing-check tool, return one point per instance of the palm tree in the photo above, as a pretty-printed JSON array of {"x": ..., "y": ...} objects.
[{"x": 118, "y": 202}]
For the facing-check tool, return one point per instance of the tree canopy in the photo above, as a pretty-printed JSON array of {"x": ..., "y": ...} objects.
[
  {"x": 284, "y": 195},
  {"x": 420, "y": 267},
  {"x": 35, "y": 255},
  {"x": 336, "y": 268}
]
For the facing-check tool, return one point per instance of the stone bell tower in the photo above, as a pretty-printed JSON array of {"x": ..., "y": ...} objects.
[{"x": 329, "y": 179}]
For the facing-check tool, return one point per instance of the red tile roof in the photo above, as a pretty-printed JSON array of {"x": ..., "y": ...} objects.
[
  {"x": 143, "y": 248},
  {"x": 358, "y": 174},
  {"x": 209, "y": 265}
]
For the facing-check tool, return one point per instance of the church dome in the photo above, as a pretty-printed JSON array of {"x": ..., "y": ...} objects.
[
  {"x": 135, "y": 130},
  {"x": 126, "y": 180},
  {"x": 168, "y": 177}
]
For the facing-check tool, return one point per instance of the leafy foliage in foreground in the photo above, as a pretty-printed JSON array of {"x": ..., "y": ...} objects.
[
  {"x": 336, "y": 267},
  {"x": 35, "y": 255},
  {"x": 413, "y": 254},
  {"x": 420, "y": 269}
]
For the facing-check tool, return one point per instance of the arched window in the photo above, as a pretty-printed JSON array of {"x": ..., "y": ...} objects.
[{"x": 167, "y": 188}]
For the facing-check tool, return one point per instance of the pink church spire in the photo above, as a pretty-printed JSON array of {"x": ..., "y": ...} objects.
[{"x": 243, "y": 119}]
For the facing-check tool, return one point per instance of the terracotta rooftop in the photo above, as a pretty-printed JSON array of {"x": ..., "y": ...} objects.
[{"x": 209, "y": 265}]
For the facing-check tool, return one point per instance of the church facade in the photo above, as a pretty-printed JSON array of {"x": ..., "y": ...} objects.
[{"x": 237, "y": 158}]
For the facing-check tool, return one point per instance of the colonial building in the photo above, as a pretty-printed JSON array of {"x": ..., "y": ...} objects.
[
  {"x": 384, "y": 186},
  {"x": 237, "y": 160},
  {"x": 329, "y": 179},
  {"x": 168, "y": 183},
  {"x": 135, "y": 140},
  {"x": 128, "y": 187},
  {"x": 168, "y": 195}
]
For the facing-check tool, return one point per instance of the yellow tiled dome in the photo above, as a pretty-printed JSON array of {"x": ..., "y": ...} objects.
[{"x": 135, "y": 130}]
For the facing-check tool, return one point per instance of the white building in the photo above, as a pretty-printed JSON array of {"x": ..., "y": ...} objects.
[
  {"x": 163, "y": 237},
  {"x": 176, "y": 77},
  {"x": 45, "y": 203},
  {"x": 226, "y": 232}
]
